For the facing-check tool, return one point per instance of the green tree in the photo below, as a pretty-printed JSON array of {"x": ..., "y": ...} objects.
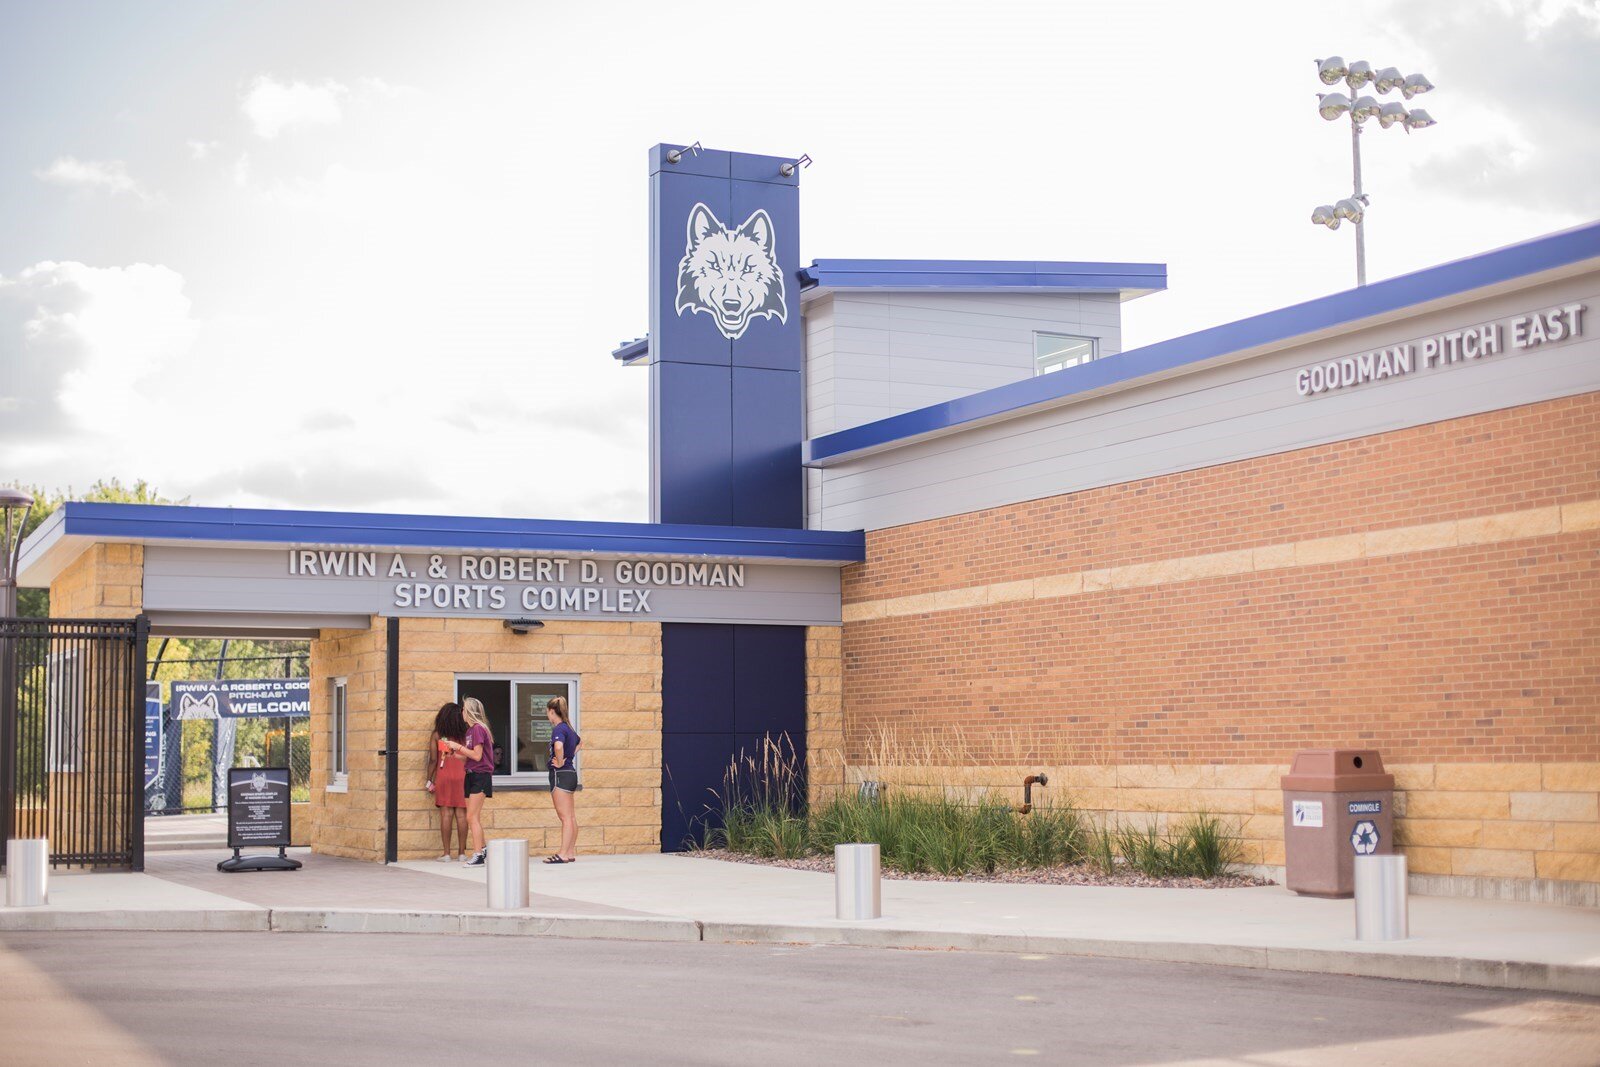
[{"x": 35, "y": 603}]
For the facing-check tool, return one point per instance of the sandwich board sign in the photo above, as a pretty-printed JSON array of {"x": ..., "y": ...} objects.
[{"x": 258, "y": 817}]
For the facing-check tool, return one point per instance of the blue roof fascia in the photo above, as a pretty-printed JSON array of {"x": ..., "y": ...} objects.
[
  {"x": 637, "y": 348},
  {"x": 158, "y": 522},
  {"x": 1460, "y": 276},
  {"x": 984, "y": 274}
]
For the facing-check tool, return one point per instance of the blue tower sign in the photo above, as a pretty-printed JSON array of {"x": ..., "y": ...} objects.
[
  {"x": 725, "y": 423},
  {"x": 725, "y": 339}
]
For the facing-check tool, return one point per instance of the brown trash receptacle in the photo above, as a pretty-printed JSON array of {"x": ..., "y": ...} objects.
[{"x": 1337, "y": 804}]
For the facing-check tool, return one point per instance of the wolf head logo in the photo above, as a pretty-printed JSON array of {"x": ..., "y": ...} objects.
[
  {"x": 190, "y": 708},
  {"x": 731, "y": 275}
]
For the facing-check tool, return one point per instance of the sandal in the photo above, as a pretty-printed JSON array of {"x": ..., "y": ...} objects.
[{"x": 556, "y": 859}]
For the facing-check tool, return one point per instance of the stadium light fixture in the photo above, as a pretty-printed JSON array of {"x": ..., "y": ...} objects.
[{"x": 1360, "y": 108}]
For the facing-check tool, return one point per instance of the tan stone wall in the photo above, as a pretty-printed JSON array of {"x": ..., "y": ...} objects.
[
  {"x": 824, "y": 711},
  {"x": 619, "y": 669},
  {"x": 1515, "y": 829},
  {"x": 349, "y": 823},
  {"x": 105, "y": 582}
]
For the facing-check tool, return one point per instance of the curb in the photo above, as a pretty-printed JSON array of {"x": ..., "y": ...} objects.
[
  {"x": 189, "y": 920},
  {"x": 1450, "y": 970},
  {"x": 497, "y": 923}
]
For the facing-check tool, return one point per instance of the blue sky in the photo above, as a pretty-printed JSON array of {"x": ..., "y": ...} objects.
[{"x": 374, "y": 255}]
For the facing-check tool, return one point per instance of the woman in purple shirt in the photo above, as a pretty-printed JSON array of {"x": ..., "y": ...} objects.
[
  {"x": 478, "y": 751},
  {"x": 564, "y": 742}
]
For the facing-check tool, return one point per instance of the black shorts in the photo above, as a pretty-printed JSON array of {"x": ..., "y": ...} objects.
[
  {"x": 479, "y": 782},
  {"x": 564, "y": 779}
]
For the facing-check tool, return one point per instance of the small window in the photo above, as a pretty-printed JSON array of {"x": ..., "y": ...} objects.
[
  {"x": 1056, "y": 351},
  {"x": 339, "y": 735},
  {"x": 515, "y": 705}
]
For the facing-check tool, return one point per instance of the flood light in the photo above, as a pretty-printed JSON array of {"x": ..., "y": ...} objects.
[
  {"x": 1330, "y": 70},
  {"x": 1349, "y": 208},
  {"x": 1416, "y": 85},
  {"x": 1359, "y": 74},
  {"x": 1331, "y": 105},
  {"x": 1419, "y": 119},
  {"x": 1387, "y": 79},
  {"x": 1392, "y": 113}
]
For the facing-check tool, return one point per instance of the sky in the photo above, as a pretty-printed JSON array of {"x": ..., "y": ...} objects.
[{"x": 373, "y": 256}]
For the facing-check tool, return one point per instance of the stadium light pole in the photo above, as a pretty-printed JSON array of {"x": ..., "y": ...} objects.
[{"x": 1361, "y": 109}]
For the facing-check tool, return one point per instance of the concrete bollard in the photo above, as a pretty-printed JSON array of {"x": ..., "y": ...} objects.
[
  {"x": 1381, "y": 900},
  {"x": 27, "y": 872},
  {"x": 857, "y": 882},
  {"x": 507, "y": 868}
]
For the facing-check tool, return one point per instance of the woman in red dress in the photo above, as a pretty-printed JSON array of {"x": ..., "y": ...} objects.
[{"x": 446, "y": 773}]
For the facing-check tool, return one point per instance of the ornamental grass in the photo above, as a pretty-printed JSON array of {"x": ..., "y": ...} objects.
[{"x": 952, "y": 831}]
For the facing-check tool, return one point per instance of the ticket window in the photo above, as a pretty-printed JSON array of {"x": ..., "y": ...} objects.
[{"x": 515, "y": 705}]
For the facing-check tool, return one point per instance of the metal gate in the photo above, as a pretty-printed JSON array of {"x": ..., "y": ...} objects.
[{"x": 72, "y": 703}]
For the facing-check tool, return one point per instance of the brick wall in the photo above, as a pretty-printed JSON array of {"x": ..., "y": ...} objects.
[
  {"x": 1430, "y": 592},
  {"x": 619, "y": 664}
]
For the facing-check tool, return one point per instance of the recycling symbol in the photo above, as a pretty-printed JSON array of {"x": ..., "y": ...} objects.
[{"x": 1364, "y": 837}]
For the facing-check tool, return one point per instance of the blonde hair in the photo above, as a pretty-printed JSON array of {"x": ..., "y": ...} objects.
[
  {"x": 472, "y": 711},
  {"x": 559, "y": 706}
]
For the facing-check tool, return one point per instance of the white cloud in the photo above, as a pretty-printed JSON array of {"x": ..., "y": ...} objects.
[
  {"x": 318, "y": 481},
  {"x": 273, "y": 106},
  {"x": 202, "y": 149},
  {"x": 1530, "y": 137},
  {"x": 76, "y": 342},
  {"x": 109, "y": 176}
]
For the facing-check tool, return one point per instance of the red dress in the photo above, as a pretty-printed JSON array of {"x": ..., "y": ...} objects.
[{"x": 449, "y": 783}]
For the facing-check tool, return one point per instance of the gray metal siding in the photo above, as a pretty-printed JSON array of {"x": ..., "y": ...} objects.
[
  {"x": 257, "y": 581},
  {"x": 1215, "y": 415},
  {"x": 870, "y": 355}
]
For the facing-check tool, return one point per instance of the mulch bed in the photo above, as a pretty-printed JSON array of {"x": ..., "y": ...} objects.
[{"x": 1078, "y": 875}]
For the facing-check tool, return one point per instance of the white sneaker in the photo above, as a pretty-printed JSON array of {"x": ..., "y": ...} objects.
[
  {"x": 478, "y": 859},
  {"x": 446, "y": 859}
]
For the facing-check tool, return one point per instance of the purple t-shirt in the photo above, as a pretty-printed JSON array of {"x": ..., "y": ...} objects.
[
  {"x": 569, "y": 744},
  {"x": 479, "y": 735}
]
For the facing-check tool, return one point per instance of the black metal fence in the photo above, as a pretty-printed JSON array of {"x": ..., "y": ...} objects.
[{"x": 72, "y": 737}]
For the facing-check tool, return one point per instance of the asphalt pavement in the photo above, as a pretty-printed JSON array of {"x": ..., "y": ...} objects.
[{"x": 391, "y": 1000}]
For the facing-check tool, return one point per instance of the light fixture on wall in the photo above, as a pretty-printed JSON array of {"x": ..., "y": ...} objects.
[
  {"x": 1333, "y": 106},
  {"x": 522, "y": 626}
]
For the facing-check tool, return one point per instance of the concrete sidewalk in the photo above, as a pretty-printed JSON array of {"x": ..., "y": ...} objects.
[{"x": 656, "y": 897}]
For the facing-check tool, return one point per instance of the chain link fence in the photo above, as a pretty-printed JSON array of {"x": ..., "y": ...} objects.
[{"x": 197, "y": 751}]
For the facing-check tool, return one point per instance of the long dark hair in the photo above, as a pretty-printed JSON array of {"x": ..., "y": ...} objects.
[{"x": 449, "y": 722}]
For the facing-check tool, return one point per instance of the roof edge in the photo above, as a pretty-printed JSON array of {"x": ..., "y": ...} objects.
[
  {"x": 1347, "y": 308},
  {"x": 76, "y": 525}
]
